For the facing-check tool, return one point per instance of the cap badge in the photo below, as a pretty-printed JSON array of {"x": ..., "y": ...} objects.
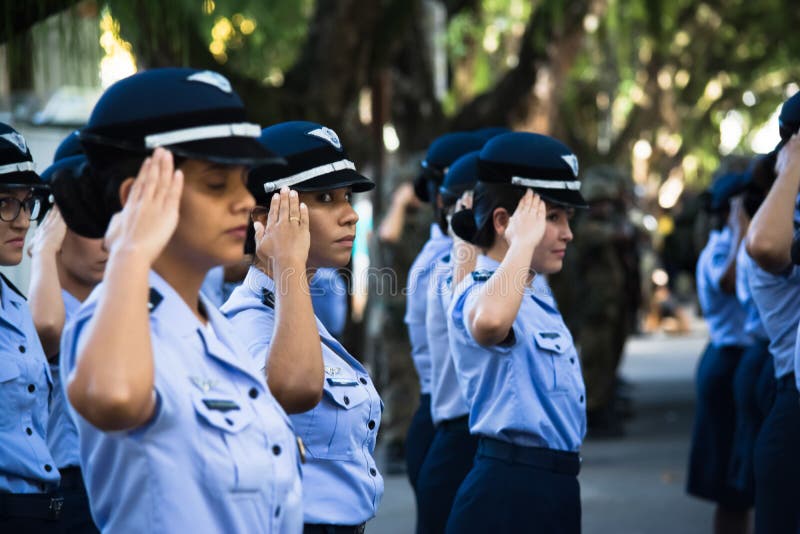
[
  {"x": 212, "y": 78},
  {"x": 572, "y": 161},
  {"x": 17, "y": 140},
  {"x": 326, "y": 134}
]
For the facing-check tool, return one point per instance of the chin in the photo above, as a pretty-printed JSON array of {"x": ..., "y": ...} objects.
[{"x": 10, "y": 258}]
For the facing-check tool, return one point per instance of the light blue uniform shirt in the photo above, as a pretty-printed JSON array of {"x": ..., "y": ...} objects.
[
  {"x": 341, "y": 483},
  {"x": 219, "y": 454},
  {"x": 530, "y": 392},
  {"x": 26, "y": 465},
  {"x": 723, "y": 312},
  {"x": 437, "y": 246},
  {"x": 776, "y": 297},
  {"x": 62, "y": 434},
  {"x": 329, "y": 298},
  {"x": 752, "y": 323},
  {"x": 214, "y": 286}
]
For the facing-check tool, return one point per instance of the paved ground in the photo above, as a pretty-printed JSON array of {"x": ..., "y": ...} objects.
[{"x": 631, "y": 485}]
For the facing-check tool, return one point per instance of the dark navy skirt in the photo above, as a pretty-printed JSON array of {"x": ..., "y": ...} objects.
[
  {"x": 714, "y": 425},
  {"x": 777, "y": 463},
  {"x": 518, "y": 489},
  {"x": 419, "y": 439},
  {"x": 449, "y": 460}
]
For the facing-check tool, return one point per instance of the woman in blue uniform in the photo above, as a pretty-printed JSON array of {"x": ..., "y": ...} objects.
[
  {"x": 65, "y": 268},
  {"x": 513, "y": 354},
  {"x": 715, "y": 414},
  {"x": 28, "y": 474},
  {"x": 335, "y": 408},
  {"x": 178, "y": 430},
  {"x": 449, "y": 458},
  {"x": 775, "y": 286}
]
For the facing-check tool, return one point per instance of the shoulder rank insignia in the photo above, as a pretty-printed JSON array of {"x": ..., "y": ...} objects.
[
  {"x": 267, "y": 298},
  {"x": 154, "y": 300},
  {"x": 482, "y": 276}
]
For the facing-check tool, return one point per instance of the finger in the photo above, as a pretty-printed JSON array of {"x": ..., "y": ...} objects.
[
  {"x": 274, "y": 204},
  {"x": 294, "y": 206},
  {"x": 147, "y": 178},
  {"x": 164, "y": 178},
  {"x": 258, "y": 226},
  {"x": 111, "y": 232},
  {"x": 174, "y": 190},
  {"x": 283, "y": 208},
  {"x": 303, "y": 209}
]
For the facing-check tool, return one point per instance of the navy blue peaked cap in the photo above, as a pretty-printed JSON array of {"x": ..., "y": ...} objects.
[
  {"x": 460, "y": 177},
  {"x": 442, "y": 153},
  {"x": 315, "y": 161},
  {"x": 69, "y": 155},
  {"x": 195, "y": 114},
  {"x": 16, "y": 163},
  {"x": 535, "y": 161},
  {"x": 726, "y": 187},
  {"x": 789, "y": 119}
]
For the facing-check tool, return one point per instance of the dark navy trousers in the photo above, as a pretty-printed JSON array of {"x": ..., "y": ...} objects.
[{"x": 449, "y": 460}]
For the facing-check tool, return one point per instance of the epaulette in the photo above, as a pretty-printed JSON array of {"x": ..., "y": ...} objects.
[
  {"x": 267, "y": 298},
  {"x": 12, "y": 286},
  {"x": 482, "y": 275},
  {"x": 154, "y": 300}
]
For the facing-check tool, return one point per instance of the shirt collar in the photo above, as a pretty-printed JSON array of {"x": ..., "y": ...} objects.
[
  {"x": 256, "y": 281},
  {"x": 485, "y": 263}
]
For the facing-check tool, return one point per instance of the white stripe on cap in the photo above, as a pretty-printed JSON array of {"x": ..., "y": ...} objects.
[
  {"x": 174, "y": 137},
  {"x": 573, "y": 185},
  {"x": 328, "y": 168},
  {"x": 16, "y": 167}
]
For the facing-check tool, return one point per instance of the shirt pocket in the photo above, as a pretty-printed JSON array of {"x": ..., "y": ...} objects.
[
  {"x": 9, "y": 392},
  {"x": 558, "y": 362},
  {"x": 339, "y": 422},
  {"x": 232, "y": 447}
]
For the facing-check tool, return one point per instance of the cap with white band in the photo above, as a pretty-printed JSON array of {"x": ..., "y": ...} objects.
[
  {"x": 328, "y": 168},
  {"x": 199, "y": 133}
]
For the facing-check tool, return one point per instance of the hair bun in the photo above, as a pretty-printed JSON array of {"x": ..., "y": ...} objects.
[
  {"x": 80, "y": 197},
  {"x": 463, "y": 224}
]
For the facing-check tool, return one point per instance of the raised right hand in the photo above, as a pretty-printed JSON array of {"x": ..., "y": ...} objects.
[
  {"x": 789, "y": 158},
  {"x": 150, "y": 216},
  {"x": 49, "y": 235},
  {"x": 286, "y": 239},
  {"x": 527, "y": 225}
]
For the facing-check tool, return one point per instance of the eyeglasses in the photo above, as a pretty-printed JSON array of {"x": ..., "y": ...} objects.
[{"x": 10, "y": 208}]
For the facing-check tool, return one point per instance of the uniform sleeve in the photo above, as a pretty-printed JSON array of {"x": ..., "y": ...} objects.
[
  {"x": 718, "y": 261},
  {"x": 255, "y": 328},
  {"x": 468, "y": 302}
]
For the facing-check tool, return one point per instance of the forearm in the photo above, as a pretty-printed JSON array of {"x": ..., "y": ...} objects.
[
  {"x": 769, "y": 238},
  {"x": 727, "y": 281},
  {"x": 112, "y": 385},
  {"x": 295, "y": 371},
  {"x": 46, "y": 302},
  {"x": 499, "y": 299}
]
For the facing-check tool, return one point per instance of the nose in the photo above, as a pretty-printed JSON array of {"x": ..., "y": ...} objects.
[
  {"x": 566, "y": 232},
  {"x": 243, "y": 199},
  {"x": 349, "y": 217}
]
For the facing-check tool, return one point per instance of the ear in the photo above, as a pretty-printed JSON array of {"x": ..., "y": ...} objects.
[
  {"x": 125, "y": 190},
  {"x": 500, "y": 219}
]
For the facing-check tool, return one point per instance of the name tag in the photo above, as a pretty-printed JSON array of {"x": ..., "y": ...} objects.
[
  {"x": 221, "y": 405},
  {"x": 346, "y": 382},
  {"x": 550, "y": 335}
]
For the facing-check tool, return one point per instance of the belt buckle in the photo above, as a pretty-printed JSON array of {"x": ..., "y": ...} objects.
[{"x": 56, "y": 505}]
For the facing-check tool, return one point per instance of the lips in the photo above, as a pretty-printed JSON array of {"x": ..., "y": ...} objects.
[
  {"x": 16, "y": 242},
  {"x": 238, "y": 232},
  {"x": 348, "y": 240},
  {"x": 560, "y": 253}
]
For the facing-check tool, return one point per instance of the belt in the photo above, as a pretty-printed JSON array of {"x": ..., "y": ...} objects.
[
  {"x": 32, "y": 505},
  {"x": 456, "y": 423},
  {"x": 71, "y": 478},
  {"x": 310, "y": 528},
  {"x": 786, "y": 382},
  {"x": 562, "y": 462}
]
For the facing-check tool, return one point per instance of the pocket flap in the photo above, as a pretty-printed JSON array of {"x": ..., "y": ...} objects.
[
  {"x": 552, "y": 341},
  {"x": 9, "y": 370},
  {"x": 346, "y": 396},
  {"x": 222, "y": 411}
]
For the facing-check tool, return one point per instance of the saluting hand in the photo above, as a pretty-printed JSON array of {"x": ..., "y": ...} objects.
[
  {"x": 150, "y": 216},
  {"x": 285, "y": 239},
  {"x": 526, "y": 226},
  {"x": 49, "y": 235},
  {"x": 789, "y": 158}
]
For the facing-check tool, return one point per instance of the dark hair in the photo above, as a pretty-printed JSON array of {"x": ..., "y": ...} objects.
[{"x": 477, "y": 225}]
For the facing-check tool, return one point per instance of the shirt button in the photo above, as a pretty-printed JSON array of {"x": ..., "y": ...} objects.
[
  {"x": 363, "y": 380},
  {"x": 48, "y": 467},
  {"x": 572, "y": 360},
  {"x": 346, "y": 400},
  {"x": 277, "y": 511},
  {"x": 276, "y": 450},
  {"x": 372, "y": 471},
  {"x": 22, "y": 348},
  {"x": 253, "y": 393},
  {"x": 371, "y": 425},
  {"x": 581, "y": 398},
  {"x": 558, "y": 347},
  {"x": 229, "y": 421},
  {"x": 31, "y": 388},
  {"x": 28, "y": 431}
]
